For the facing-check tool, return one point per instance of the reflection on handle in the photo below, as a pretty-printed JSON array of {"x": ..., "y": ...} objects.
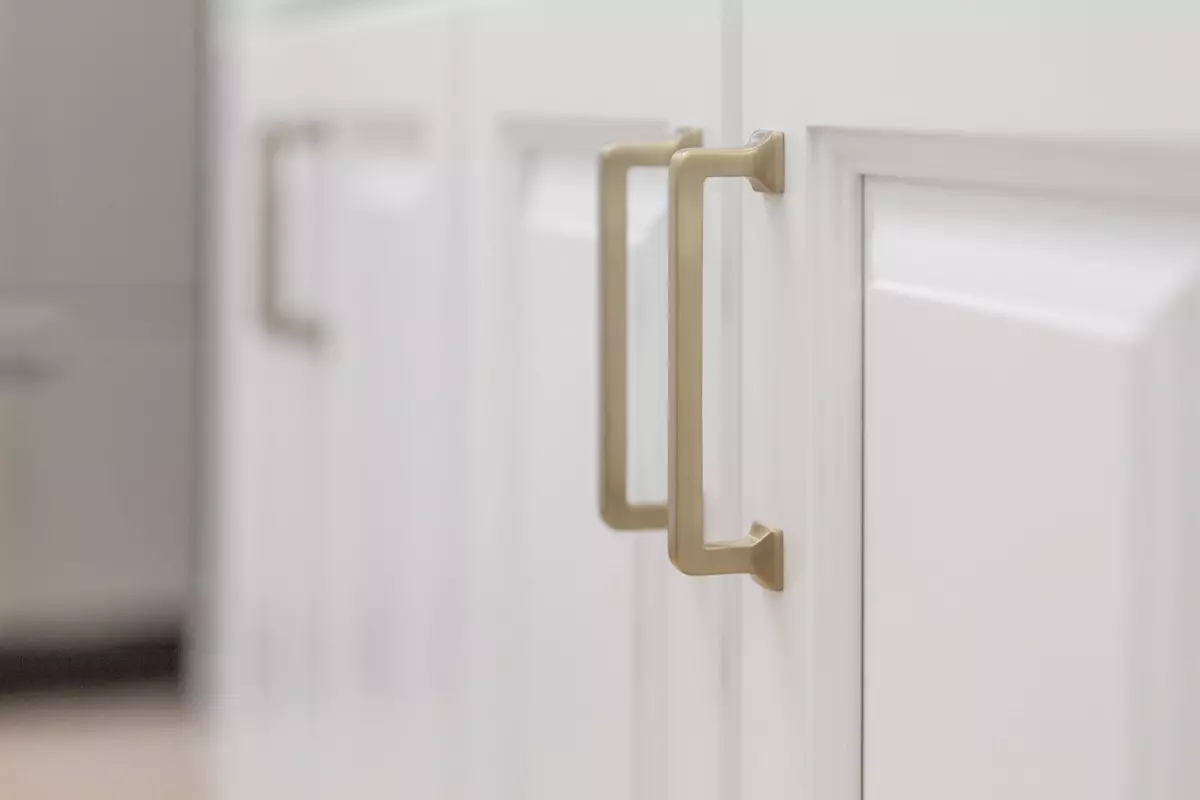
[
  {"x": 277, "y": 319},
  {"x": 615, "y": 162},
  {"x": 760, "y": 553}
]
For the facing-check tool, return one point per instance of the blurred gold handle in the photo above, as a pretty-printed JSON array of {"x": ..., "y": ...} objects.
[
  {"x": 277, "y": 320},
  {"x": 760, "y": 553},
  {"x": 615, "y": 162}
]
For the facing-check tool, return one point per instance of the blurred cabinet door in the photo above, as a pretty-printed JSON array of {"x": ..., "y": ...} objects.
[
  {"x": 340, "y": 496},
  {"x": 595, "y": 670},
  {"x": 981, "y": 430}
]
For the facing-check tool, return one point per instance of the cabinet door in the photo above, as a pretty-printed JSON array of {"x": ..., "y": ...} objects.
[
  {"x": 595, "y": 670},
  {"x": 979, "y": 324},
  {"x": 420, "y": 596},
  {"x": 339, "y": 415}
]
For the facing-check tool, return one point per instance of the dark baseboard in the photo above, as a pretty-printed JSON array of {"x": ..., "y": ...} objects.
[{"x": 48, "y": 668}]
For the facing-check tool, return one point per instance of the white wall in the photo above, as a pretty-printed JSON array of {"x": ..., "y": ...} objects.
[{"x": 98, "y": 291}]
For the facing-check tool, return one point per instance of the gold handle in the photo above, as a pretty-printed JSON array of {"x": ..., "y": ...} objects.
[
  {"x": 760, "y": 553},
  {"x": 615, "y": 162},
  {"x": 276, "y": 319}
]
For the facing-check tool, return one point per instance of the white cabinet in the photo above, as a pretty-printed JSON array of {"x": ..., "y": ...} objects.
[{"x": 951, "y": 361}]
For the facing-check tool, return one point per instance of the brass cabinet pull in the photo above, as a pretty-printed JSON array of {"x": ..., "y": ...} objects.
[
  {"x": 277, "y": 320},
  {"x": 615, "y": 162},
  {"x": 760, "y": 553}
]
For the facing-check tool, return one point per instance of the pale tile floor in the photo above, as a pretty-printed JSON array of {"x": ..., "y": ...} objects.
[{"x": 134, "y": 746}]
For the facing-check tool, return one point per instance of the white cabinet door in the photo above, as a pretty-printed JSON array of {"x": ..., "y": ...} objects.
[
  {"x": 976, "y": 309},
  {"x": 339, "y": 413},
  {"x": 594, "y": 669},
  {"x": 952, "y": 361}
]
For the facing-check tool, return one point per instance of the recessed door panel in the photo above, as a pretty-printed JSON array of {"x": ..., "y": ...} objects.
[{"x": 1030, "y": 376}]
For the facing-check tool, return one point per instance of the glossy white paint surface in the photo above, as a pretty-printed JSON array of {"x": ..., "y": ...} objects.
[{"x": 1028, "y": 372}]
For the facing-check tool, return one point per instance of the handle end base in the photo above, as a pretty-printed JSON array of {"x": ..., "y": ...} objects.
[
  {"x": 767, "y": 556},
  {"x": 769, "y": 166}
]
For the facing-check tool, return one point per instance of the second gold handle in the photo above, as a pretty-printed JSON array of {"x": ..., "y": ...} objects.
[
  {"x": 615, "y": 163},
  {"x": 759, "y": 553}
]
